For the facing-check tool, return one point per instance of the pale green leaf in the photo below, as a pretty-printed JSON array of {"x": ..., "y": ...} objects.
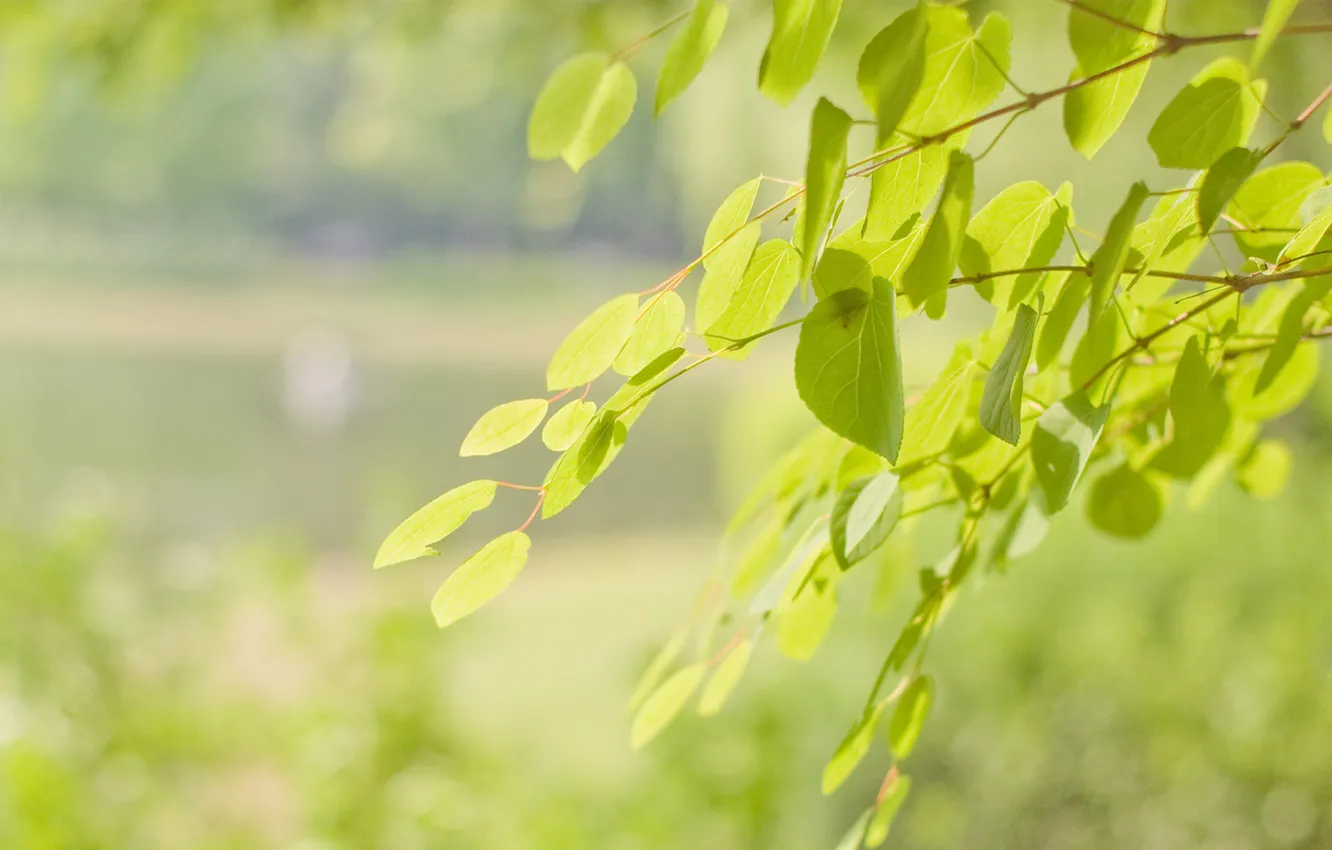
[
  {"x": 432, "y": 523},
  {"x": 959, "y": 79},
  {"x": 589, "y": 456},
  {"x": 926, "y": 279},
  {"x": 1110, "y": 257},
  {"x": 1068, "y": 303},
  {"x": 1278, "y": 12},
  {"x": 1269, "y": 204},
  {"x": 628, "y": 402},
  {"x": 481, "y": 578},
  {"x": 609, "y": 110},
  {"x": 1102, "y": 342},
  {"x": 1092, "y": 113},
  {"x": 1265, "y": 470},
  {"x": 851, "y": 751},
  {"x": 1124, "y": 503},
  {"x": 568, "y": 422},
  {"x": 913, "y": 709},
  {"x": 934, "y": 419},
  {"x": 781, "y": 585},
  {"x": 848, "y": 367},
  {"x": 560, "y": 108},
  {"x": 825, "y": 172},
  {"x": 802, "y": 625},
  {"x": 1001, "y": 403},
  {"x": 1223, "y": 180},
  {"x": 591, "y": 348},
  {"x": 1062, "y": 444},
  {"x": 665, "y": 704},
  {"x": 756, "y": 560},
  {"x": 801, "y": 31},
  {"x": 885, "y": 812},
  {"x": 863, "y": 516},
  {"x": 657, "y": 668},
  {"x": 504, "y": 427},
  {"x": 901, "y": 188},
  {"x": 1306, "y": 241},
  {"x": 763, "y": 292},
  {"x": 1215, "y": 112},
  {"x": 887, "y": 260},
  {"x": 690, "y": 50},
  {"x": 1100, "y": 44},
  {"x": 659, "y": 329},
  {"x": 725, "y": 679}
]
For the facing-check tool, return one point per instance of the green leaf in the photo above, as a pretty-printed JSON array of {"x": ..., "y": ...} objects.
[
  {"x": 1099, "y": 44},
  {"x": 1290, "y": 332},
  {"x": 756, "y": 561},
  {"x": 725, "y": 267},
  {"x": 1223, "y": 180},
  {"x": 1306, "y": 241},
  {"x": 1265, "y": 470},
  {"x": 913, "y": 709},
  {"x": 417, "y": 534},
  {"x": 1286, "y": 391},
  {"x": 856, "y": 834},
  {"x": 1001, "y": 404},
  {"x": 1109, "y": 260},
  {"x": 1021, "y": 227},
  {"x": 504, "y": 427},
  {"x": 891, "y": 70},
  {"x": 659, "y": 329},
  {"x": 1269, "y": 202},
  {"x": 1095, "y": 111},
  {"x": 885, "y": 812},
  {"x": 725, "y": 679},
  {"x": 1068, "y": 303},
  {"x": 628, "y": 402},
  {"x": 1065, "y": 435},
  {"x": 802, "y": 625},
  {"x": 658, "y": 668},
  {"x": 901, "y": 189},
  {"x": 1124, "y": 503},
  {"x": 865, "y": 513},
  {"x": 587, "y": 458},
  {"x": 481, "y": 578},
  {"x": 1278, "y": 12},
  {"x": 1104, "y": 340},
  {"x": 1215, "y": 112},
  {"x": 800, "y": 33},
  {"x": 665, "y": 704},
  {"x": 591, "y": 348},
  {"x": 934, "y": 419},
  {"x": 568, "y": 422},
  {"x": 848, "y": 367},
  {"x": 584, "y": 105},
  {"x": 806, "y": 552},
  {"x": 851, "y": 751},
  {"x": 960, "y": 79},
  {"x": 825, "y": 172},
  {"x": 767, "y": 286},
  {"x": 839, "y": 269},
  {"x": 926, "y": 279},
  {"x": 690, "y": 51}
]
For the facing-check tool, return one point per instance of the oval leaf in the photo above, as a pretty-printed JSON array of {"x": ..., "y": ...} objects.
[
  {"x": 589, "y": 351},
  {"x": 865, "y": 513},
  {"x": 658, "y": 330},
  {"x": 609, "y": 110},
  {"x": 665, "y": 704},
  {"x": 690, "y": 51},
  {"x": 851, "y": 751},
  {"x": 801, "y": 30},
  {"x": 558, "y": 112},
  {"x": 504, "y": 427},
  {"x": 1065, "y": 435},
  {"x": 767, "y": 286},
  {"x": 725, "y": 679},
  {"x": 1123, "y": 503},
  {"x": 1215, "y": 112},
  {"x": 431, "y": 524},
  {"x": 481, "y": 578},
  {"x": 1001, "y": 403},
  {"x": 567, "y": 423},
  {"x": 913, "y": 709}
]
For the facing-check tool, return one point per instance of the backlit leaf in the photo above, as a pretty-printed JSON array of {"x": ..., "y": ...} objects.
[
  {"x": 932, "y": 421},
  {"x": 725, "y": 267},
  {"x": 851, "y": 751},
  {"x": 504, "y": 427},
  {"x": 767, "y": 286},
  {"x": 690, "y": 50},
  {"x": 1290, "y": 332},
  {"x": 902, "y": 188},
  {"x": 802, "y": 625},
  {"x": 665, "y": 704},
  {"x": 659, "y": 329},
  {"x": 891, "y": 69},
  {"x": 1223, "y": 180},
  {"x": 1201, "y": 415},
  {"x": 913, "y": 709},
  {"x": 840, "y": 269},
  {"x": 1062, "y": 444},
  {"x": 863, "y": 516},
  {"x": 1124, "y": 503},
  {"x": 568, "y": 422},
  {"x": 432, "y": 523},
  {"x": 1108, "y": 261},
  {"x": 848, "y": 367},
  {"x": 583, "y": 106},
  {"x": 1278, "y": 12},
  {"x": 1307, "y": 240},
  {"x": 658, "y": 668},
  {"x": 725, "y": 679},
  {"x": 1093, "y": 112},
  {"x": 606, "y": 115},
  {"x": 885, "y": 812},
  {"x": 801, "y": 30},
  {"x": 481, "y": 578},
  {"x": 1054, "y": 333},
  {"x": 1215, "y": 112},
  {"x": 1265, "y": 470},
  {"x": 589, "y": 456},
  {"x": 1021, "y": 227},
  {"x": 1286, "y": 391},
  {"x": 825, "y": 172},
  {"x": 926, "y": 279},
  {"x": 854, "y": 836},
  {"x": 591, "y": 348},
  {"x": 1001, "y": 404},
  {"x": 1100, "y": 43}
]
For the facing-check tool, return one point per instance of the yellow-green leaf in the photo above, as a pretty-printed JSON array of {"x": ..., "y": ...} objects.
[
  {"x": 504, "y": 427},
  {"x": 891, "y": 69},
  {"x": 1068, "y": 303},
  {"x": 1001, "y": 403},
  {"x": 665, "y": 704},
  {"x": 1099, "y": 43},
  {"x": 690, "y": 51},
  {"x": 1109, "y": 259},
  {"x": 802, "y": 625},
  {"x": 801, "y": 30},
  {"x": 1215, "y": 112},
  {"x": 567, "y": 423},
  {"x": 1223, "y": 180},
  {"x": 1124, "y": 503},
  {"x": 1062, "y": 444},
  {"x": 481, "y": 578},
  {"x": 825, "y": 172},
  {"x": 583, "y": 106},
  {"x": 658, "y": 330},
  {"x": 589, "y": 456},
  {"x": 725, "y": 679},
  {"x": 1267, "y": 207},
  {"x": 1278, "y": 12},
  {"x": 416, "y": 535},
  {"x": 863, "y": 516},
  {"x": 658, "y": 668},
  {"x": 1093, "y": 112},
  {"x": 934, "y": 419},
  {"x": 591, "y": 348},
  {"x": 767, "y": 286},
  {"x": 913, "y": 709},
  {"x": 851, "y": 751},
  {"x": 724, "y": 267},
  {"x": 926, "y": 279},
  {"x": 1265, "y": 470},
  {"x": 885, "y": 812}
]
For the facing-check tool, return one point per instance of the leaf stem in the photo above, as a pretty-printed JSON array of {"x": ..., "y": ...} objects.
[{"x": 624, "y": 54}]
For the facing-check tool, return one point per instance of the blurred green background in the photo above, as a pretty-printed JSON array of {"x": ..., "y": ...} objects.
[{"x": 263, "y": 263}]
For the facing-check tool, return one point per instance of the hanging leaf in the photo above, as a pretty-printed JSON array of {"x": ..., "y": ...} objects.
[
  {"x": 848, "y": 367},
  {"x": 926, "y": 279},
  {"x": 1306, "y": 241},
  {"x": 568, "y": 422},
  {"x": 801, "y": 30},
  {"x": 1099, "y": 43},
  {"x": 724, "y": 267},
  {"x": 863, "y": 516},
  {"x": 1068, "y": 303},
  {"x": 934, "y": 419},
  {"x": 851, "y": 751},
  {"x": 891, "y": 70},
  {"x": 1290, "y": 332},
  {"x": 825, "y": 172},
  {"x": 1215, "y": 112},
  {"x": 1092, "y": 113},
  {"x": 1109, "y": 260},
  {"x": 802, "y": 625},
  {"x": 587, "y": 458},
  {"x": 628, "y": 402},
  {"x": 659, "y": 329},
  {"x": 584, "y": 105},
  {"x": 1062, "y": 444},
  {"x": 658, "y": 668},
  {"x": 1278, "y": 12},
  {"x": 1001, "y": 404},
  {"x": 589, "y": 351},
  {"x": 417, "y": 534},
  {"x": 856, "y": 834},
  {"x": 690, "y": 51},
  {"x": 725, "y": 679},
  {"x": 1288, "y": 388},
  {"x": 901, "y": 188},
  {"x": 1021, "y": 227},
  {"x": 665, "y": 704},
  {"x": 961, "y": 76},
  {"x": 481, "y": 578},
  {"x": 1124, "y": 503},
  {"x": 504, "y": 427},
  {"x": 913, "y": 709},
  {"x": 885, "y": 812},
  {"x": 767, "y": 285},
  {"x": 1102, "y": 342},
  {"x": 1223, "y": 180},
  {"x": 839, "y": 269}
]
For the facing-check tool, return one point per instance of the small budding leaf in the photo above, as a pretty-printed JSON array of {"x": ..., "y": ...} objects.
[
  {"x": 657, "y": 331},
  {"x": 1265, "y": 470},
  {"x": 848, "y": 367},
  {"x": 568, "y": 422},
  {"x": 890, "y": 803},
  {"x": 584, "y": 105},
  {"x": 1215, "y": 112},
  {"x": 481, "y": 578},
  {"x": 1065, "y": 435},
  {"x": 416, "y": 535},
  {"x": 863, "y": 517},
  {"x": 1001, "y": 403},
  {"x": 926, "y": 279},
  {"x": 690, "y": 51},
  {"x": 851, "y": 751},
  {"x": 1124, "y": 503},
  {"x": 665, "y": 704},
  {"x": 801, "y": 30},
  {"x": 1223, "y": 180},
  {"x": 768, "y": 283},
  {"x": 504, "y": 427},
  {"x": 913, "y": 709},
  {"x": 825, "y": 172},
  {"x": 592, "y": 347},
  {"x": 725, "y": 679}
]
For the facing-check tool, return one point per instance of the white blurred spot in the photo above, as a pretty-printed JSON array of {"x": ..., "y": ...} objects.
[{"x": 318, "y": 380}]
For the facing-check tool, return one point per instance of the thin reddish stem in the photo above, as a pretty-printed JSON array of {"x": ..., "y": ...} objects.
[{"x": 541, "y": 500}]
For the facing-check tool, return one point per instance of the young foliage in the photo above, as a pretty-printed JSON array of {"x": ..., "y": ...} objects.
[
  {"x": 801, "y": 30},
  {"x": 504, "y": 427},
  {"x": 417, "y": 534},
  {"x": 585, "y": 105},
  {"x": 481, "y": 578},
  {"x": 690, "y": 51}
]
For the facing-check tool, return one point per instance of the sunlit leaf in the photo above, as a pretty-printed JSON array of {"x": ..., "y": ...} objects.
[
  {"x": 1021, "y": 227},
  {"x": 854, "y": 836},
  {"x": 767, "y": 285},
  {"x": 851, "y": 751},
  {"x": 504, "y": 427},
  {"x": 1215, "y": 112},
  {"x": 588, "y": 352},
  {"x": 1307, "y": 240},
  {"x": 1108, "y": 261},
  {"x": 1062, "y": 444},
  {"x": 885, "y": 811},
  {"x": 658, "y": 330},
  {"x": 1264, "y": 472},
  {"x": 926, "y": 279},
  {"x": 863, "y": 516},
  {"x": 1285, "y": 392},
  {"x": 481, "y": 578},
  {"x": 1093, "y": 112},
  {"x": 725, "y": 679},
  {"x": 901, "y": 188},
  {"x": 1267, "y": 207},
  {"x": 1054, "y": 332},
  {"x": 725, "y": 266},
  {"x": 1001, "y": 404},
  {"x": 802, "y": 625},
  {"x": 584, "y": 105},
  {"x": 1223, "y": 180},
  {"x": 1278, "y": 12},
  {"x": 1099, "y": 43},
  {"x": 1200, "y": 413},
  {"x": 913, "y": 709},
  {"x": 665, "y": 704},
  {"x": 568, "y": 422},
  {"x": 416, "y": 535},
  {"x": 657, "y": 669},
  {"x": 1290, "y": 332},
  {"x": 690, "y": 50},
  {"x": 839, "y": 269},
  {"x": 1124, "y": 503},
  {"x": 932, "y": 421},
  {"x": 891, "y": 69},
  {"x": 589, "y": 456},
  {"x": 825, "y": 172},
  {"x": 801, "y": 30}
]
